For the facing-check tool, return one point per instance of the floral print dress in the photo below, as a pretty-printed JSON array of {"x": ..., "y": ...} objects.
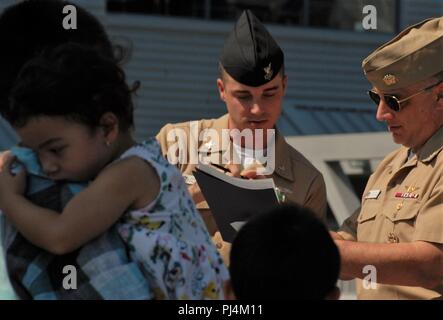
[{"x": 169, "y": 239}]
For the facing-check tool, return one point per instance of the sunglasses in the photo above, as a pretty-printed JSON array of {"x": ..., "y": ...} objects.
[{"x": 392, "y": 101}]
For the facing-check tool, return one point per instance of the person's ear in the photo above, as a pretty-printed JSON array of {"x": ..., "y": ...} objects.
[
  {"x": 285, "y": 83},
  {"x": 334, "y": 294},
  {"x": 439, "y": 102},
  {"x": 229, "y": 291},
  {"x": 221, "y": 89},
  {"x": 110, "y": 127}
]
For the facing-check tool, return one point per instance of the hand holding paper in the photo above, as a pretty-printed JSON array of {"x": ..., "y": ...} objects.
[{"x": 234, "y": 200}]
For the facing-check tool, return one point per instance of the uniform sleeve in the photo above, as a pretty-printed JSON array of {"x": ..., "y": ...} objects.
[
  {"x": 316, "y": 200},
  {"x": 348, "y": 230},
  {"x": 175, "y": 151},
  {"x": 429, "y": 222},
  {"x": 162, "y": 138}
]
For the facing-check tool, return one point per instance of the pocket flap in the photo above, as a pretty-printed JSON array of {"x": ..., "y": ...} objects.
[
  {"x": 369, "y": 210},
  {"x": 408, "y": 211}
]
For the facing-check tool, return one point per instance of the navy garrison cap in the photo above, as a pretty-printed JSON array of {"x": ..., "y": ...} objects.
[{"x": 250, "y": 55}]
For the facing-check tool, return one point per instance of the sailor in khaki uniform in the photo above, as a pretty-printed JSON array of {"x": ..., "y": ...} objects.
[
  {"x": 252, "y": 84},
  {"x": 398, "y": 232}
]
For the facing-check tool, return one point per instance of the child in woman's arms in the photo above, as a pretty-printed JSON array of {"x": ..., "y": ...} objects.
[{"x": 74, "y": 109}]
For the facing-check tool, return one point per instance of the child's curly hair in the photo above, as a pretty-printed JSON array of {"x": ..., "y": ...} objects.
[
  {"x": 72, "y": 81},
  {"x": 29, "y": 27}
]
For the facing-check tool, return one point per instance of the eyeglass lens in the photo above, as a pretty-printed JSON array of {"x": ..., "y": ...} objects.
[{"x": 390, "y": 101}]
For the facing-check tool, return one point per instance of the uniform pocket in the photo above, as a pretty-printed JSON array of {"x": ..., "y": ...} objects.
[
  {"x": 398, "y": 210},
  {"x": 367, "y": 220},
  {"x": 369, "y": 210}
]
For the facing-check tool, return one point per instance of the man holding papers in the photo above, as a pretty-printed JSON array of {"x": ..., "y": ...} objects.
[
  {"x": 252, "y": 83},
  {"x": 393, "y": 245}
]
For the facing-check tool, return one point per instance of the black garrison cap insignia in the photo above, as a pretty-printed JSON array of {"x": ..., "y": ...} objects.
[{"x": 250, "y": 55}]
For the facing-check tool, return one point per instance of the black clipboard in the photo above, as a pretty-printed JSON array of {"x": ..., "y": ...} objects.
[{"x": 232, "y": 200}]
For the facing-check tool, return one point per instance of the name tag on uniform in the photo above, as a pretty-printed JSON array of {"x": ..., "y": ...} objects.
[{"x": 373, "y": 194}]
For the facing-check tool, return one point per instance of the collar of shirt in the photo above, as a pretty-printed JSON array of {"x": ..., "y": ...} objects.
[
  {"x": 426, "y": 153},
  {"x": 432, "y": 147},
  {"x": 283, "y": 164}
]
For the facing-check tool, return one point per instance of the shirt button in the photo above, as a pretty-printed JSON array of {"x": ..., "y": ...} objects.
[
  {"x": 219, "y": 245},
  {"x": 399, "y": 206}
]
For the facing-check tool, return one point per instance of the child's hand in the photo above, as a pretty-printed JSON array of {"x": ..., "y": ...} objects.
[
  {"x": 3, "y": 156},
  {"x": 10, "y": 184}
]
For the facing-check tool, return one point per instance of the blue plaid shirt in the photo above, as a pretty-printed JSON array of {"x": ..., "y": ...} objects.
[{"x": 104, "y": 270}]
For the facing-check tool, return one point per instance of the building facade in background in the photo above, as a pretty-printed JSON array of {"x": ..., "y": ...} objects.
[{"x": 173, "y": 48}]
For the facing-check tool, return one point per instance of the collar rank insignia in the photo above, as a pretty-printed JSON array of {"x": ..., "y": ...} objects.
[{"x": 209, "y": 145}]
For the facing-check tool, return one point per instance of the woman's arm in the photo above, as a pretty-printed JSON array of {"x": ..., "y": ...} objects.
[{"x": 88, "y": 214}]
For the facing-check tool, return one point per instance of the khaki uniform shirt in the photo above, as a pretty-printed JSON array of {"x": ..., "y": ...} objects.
[
  {"x": 294, "y": 175},
  {"x": 402, "y": 202}
]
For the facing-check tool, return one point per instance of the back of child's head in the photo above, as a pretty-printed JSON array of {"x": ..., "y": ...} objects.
[
  {"x": 284, "y": 254},
  {"x": 74, "y": 82},
  {"x": 33, "y": 25}
]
